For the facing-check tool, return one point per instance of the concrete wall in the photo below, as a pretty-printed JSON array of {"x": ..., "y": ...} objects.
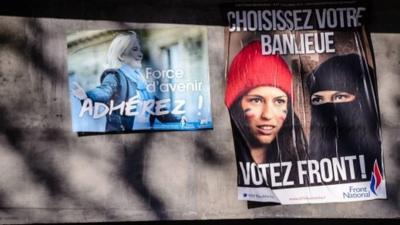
[{"x": 50, "y": 174}]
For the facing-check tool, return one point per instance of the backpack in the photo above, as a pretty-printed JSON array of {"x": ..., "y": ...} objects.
[{"x": 115, "y": 121}]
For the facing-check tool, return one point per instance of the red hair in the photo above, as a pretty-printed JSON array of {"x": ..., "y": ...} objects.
[{"x": 250, "y": 69}]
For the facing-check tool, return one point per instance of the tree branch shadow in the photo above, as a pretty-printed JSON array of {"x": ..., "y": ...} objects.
[{"x": 132, "y": 171}]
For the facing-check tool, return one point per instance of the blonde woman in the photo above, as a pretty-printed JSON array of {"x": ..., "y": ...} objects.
[{"x": 122, "y": 82}]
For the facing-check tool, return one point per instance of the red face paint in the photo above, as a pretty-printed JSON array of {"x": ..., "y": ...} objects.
[{"x": 249, "y": 114}]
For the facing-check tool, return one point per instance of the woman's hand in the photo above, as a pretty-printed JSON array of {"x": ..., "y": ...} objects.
[{"x": 78, "y": 91}]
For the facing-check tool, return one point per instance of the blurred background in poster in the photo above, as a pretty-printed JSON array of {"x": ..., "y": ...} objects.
[{"x": 175, "y": 65}]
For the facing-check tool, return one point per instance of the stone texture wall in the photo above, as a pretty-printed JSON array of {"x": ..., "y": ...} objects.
[{"x": 50, "y": 174}]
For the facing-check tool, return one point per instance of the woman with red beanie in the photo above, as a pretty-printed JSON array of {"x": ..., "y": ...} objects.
[{"x": 259, "y": 96}]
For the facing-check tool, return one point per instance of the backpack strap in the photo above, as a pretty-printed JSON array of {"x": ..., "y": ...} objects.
[
  {"x": 116, "y": 122},
  {"x": 122, "y": 81}
]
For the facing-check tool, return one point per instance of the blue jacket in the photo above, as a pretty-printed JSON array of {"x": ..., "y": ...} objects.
[
  {"x": 121, "y": 85},
  {"x": 115, "y": 86}
]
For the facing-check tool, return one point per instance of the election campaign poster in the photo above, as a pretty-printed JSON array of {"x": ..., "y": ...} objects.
[
  {"x": 301, "y": 91},
  {"x": 139, "y": 79}
]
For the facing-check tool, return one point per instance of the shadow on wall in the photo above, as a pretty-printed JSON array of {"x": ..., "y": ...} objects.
[
  {"x": 393, "y": 191},
  {"x": 205, "y": 12},
  {"x": 44, "y": 172},
  {"x": 207, "y": 154},
  {"x": 40, "y": 148},
  {"x": 33, "y": 138},
  {"x": 132, "y": 171}
]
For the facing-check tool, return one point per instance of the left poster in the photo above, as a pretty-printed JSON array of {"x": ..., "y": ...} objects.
[{"x": 139, "y": 79}]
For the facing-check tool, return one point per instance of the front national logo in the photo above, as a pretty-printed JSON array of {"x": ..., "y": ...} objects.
[{"x": 376, "y": 178}]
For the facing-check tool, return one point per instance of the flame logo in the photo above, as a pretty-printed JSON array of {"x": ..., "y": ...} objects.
[{"x": 376, "y": 178}]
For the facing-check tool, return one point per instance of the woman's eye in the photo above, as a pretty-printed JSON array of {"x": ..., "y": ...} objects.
[
  {"x": 255, "y": 100},
  {"x": 343, "y": 97},
  {"x": 316, "y": 99},
  {"x": 340, "y": 97},
  {"x": 280, "y": 101}
]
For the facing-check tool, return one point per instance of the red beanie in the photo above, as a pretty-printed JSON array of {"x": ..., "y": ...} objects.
[{"x": 250, "y": 69}]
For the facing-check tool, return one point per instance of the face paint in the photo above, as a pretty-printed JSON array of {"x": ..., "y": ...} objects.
[
  {"x": 265, "y": 108},
  {"x": 282, "y": 118},
  {"x": 248, "y": 113}
]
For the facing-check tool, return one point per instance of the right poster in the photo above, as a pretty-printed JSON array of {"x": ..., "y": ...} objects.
[{"x": 301, "y": 91}]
